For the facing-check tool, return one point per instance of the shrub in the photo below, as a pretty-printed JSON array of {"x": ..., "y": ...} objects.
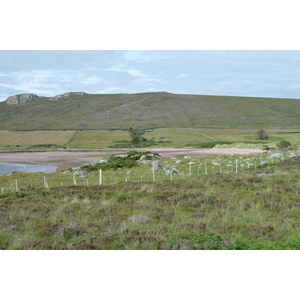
[
  {"x": 261, "y": 135},
  {"x": 283, "y": 146},
  {"x": 127, "y": 160}
]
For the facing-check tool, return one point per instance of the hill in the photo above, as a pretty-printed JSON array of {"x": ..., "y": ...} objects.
[{"x": 149, "y": 110}]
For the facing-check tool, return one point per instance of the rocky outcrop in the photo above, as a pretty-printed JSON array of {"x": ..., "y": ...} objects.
[
  {"x": 67, "y": 95},
  {"x": 156, "y": 166},
  {"x": 172, "y": 171},
  {"x": 21, "y": 99}
]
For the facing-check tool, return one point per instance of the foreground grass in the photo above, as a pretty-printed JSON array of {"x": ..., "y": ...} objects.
[{"x": 224, "y": 211}]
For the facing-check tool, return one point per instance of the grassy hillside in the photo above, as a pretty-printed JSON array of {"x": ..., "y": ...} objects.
[
  {"x": 248, "y": 210},
  {"x": 150, "y": 110}
]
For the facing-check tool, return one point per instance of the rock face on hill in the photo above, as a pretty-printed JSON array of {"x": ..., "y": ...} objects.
[
  {"x": 66, "y": 95},
  {"x": 20, "y": 99}
]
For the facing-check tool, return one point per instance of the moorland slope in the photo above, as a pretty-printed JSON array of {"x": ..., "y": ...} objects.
[{"x": 149, "y": 110}]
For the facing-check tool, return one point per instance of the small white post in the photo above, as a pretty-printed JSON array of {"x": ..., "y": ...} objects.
[
  {"x": 153, "y": 174},
  {"x": 190, "y": 170},
  {"x": 2, "y": 190},
  {"x": 87, "y": 182},
  {"x": 100, "y": 177},
  {"x": 61, "y": 184},
  {"x": 44, "y": 181},
  {"x": 261, "y": 159},
  {"x": 74, "y": 179},
  {"x": 142, "y": 179},
  {"x": 236, "y": 165},
  {"x": 171, "y": 176}
]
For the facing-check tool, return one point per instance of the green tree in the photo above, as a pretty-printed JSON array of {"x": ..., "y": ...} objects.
[
  {"x": 261, "y": 135},
  {"x": 135, "y": 141}
]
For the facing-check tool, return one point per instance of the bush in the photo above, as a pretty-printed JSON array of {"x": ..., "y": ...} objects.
[
  {"x": 283, "y": 146},
  {"x": 127, "y": 160},
  {"x": 261, "y": 135}
]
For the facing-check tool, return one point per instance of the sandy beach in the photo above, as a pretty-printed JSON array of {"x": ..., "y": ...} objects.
[{"x": 66, "y": 159}]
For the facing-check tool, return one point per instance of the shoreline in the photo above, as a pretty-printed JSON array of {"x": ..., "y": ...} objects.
[{"x": 67, "y": 159}]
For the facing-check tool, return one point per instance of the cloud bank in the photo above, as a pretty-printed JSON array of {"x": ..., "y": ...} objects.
[{"x": 235, "y": 73}]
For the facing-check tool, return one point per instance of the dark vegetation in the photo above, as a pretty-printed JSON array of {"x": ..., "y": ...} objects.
[
  {"x": 283, "y": 146},
  {"x": 127, "y": 160},
  {"x": 261, "y": 135},
  {"x": 137, "y": 140}
]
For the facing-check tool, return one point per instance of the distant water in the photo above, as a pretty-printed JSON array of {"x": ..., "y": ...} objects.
[{"x": 6, "y": 168}]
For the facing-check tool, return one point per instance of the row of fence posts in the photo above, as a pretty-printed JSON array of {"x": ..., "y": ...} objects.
[
  {"x": 46, "y": 185},
  {"x": 127, "y": 179}
]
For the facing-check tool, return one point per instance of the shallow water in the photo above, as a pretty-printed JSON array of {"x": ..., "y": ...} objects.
[{"x": 7, "y": 168}]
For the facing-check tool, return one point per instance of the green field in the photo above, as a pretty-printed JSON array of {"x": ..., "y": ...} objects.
[
  {"x": 34, "y": 138},
  {"x": 97, "y": 139},
  {"x": 181, "y": 137},
  {"x": 225, "y": 210},
  {"x": 165, "y": 137}
]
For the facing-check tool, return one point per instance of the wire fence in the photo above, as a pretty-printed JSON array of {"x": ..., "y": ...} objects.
[{"x": 191, "y": 171}]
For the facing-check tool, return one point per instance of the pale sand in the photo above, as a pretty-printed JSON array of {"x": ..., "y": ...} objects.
[{"x": 63, "y": 159}]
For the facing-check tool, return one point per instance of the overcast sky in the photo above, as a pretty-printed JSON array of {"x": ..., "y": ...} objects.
[{"x": 235, "y": 73}]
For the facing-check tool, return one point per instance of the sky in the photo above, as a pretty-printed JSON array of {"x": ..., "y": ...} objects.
[{"x": 256, "y": 73}]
